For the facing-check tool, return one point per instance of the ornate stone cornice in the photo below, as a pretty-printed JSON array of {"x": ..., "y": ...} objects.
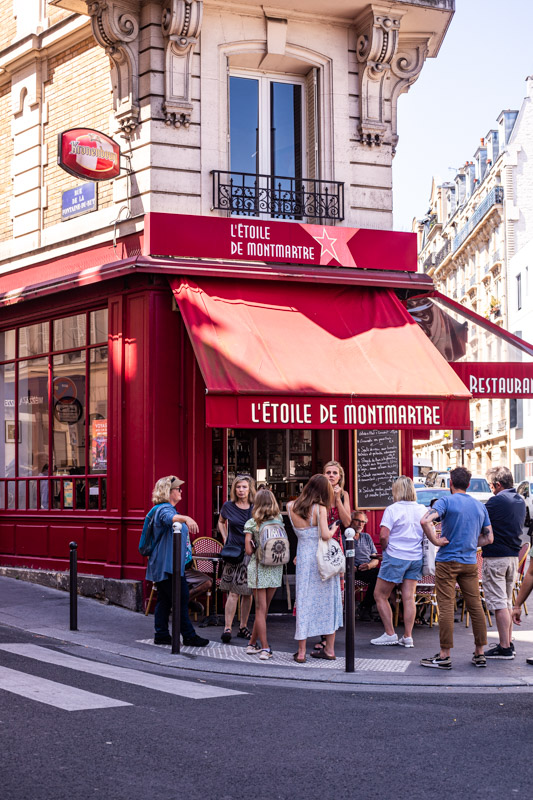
[
  {"x": 181, "y": 23},
  {"x": 115, "y": 25},
  {"x": 388, "y": 65}
]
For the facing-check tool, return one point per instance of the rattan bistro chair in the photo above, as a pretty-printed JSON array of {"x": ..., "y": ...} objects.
[
  {"x": 464, "y": 613},
  {"x": 208, "y": 546},
  {"x": 425, "y": 595},
  {"x": 522, "y": 559}
]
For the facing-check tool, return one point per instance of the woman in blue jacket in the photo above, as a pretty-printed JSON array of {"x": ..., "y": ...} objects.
[{"x": 165, "y": 497}]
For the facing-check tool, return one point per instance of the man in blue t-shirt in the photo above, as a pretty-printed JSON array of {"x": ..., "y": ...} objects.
[
  {"x": 507, "y": 512},
  {"x": 465, "y": 527}
]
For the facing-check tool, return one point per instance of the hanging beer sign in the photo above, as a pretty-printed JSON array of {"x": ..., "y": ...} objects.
[{"x": 86, "y": 153}]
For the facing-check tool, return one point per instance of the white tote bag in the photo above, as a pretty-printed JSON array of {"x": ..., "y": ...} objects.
[
  {"x": 330, "y": 558},
  {"x": 429, "y": 551}
]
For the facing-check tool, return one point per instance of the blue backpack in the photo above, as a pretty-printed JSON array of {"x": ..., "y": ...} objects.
[{"x": 147, "y": 542}]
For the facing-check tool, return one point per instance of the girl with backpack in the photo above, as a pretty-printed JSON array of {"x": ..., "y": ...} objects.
[{"x": 267, "y": 545}]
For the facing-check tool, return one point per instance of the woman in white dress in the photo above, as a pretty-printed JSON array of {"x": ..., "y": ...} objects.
[{"x": 318, "y": 602}]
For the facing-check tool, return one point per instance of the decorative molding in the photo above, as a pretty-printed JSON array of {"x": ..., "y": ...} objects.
[
  {"x": 115, "y": 25},
  {"x": 181, "y": 23},
  {"x": 388, "y": 65}
]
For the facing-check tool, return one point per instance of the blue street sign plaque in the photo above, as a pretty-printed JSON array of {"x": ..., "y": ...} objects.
[{"x": 80, "y": 200}]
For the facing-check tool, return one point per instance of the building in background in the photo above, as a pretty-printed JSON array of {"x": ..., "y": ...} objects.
[
  {"x": 256, "y": 143},
  {"x": 474, "y": 242}
]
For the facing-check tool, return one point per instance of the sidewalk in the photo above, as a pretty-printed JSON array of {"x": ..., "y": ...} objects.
[{"x": 113, "y": 630}]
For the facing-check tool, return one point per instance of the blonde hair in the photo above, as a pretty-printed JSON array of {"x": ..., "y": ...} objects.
[
  {"x": 403, "y": 488},
  {"x": 265, "y": 506},
  {"x": 251, "y": 486},
  {"x": 161, "y": 492},
  {"x": 341, "y": 471},
  {"x": 317, "y": 491}
]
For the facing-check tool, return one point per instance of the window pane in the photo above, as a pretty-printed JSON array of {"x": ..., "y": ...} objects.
[
  {"x": 244, "y": 116},
  {"x": 70, "y": 332},
  {"x": 69, "y": 415},
  {"x": 98, "y": 326},
  {"x": 7, "y": 406},
  {"x": 286, "y": 121},
  {"x": 98, "y": 409},
  {"x": 7, "y": 345},
  {"x": 33, "y": 416},
  {"x": 34, "y": 339}
]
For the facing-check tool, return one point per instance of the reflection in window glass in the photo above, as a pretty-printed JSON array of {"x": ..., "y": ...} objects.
[
  {"x": 244, "y": 116},
  {"x": 70, "y": 332},
  {"x": 34, "y": 339},
  {"x": 98, "y": 326},
  {"x": 68, "y": 389},
  {"x": 33, "y": 416},
  {"x": 286, "y": 110},
  {"x": 98, "y": 409},
  {"x": 7, "y": 410},
  {"x": 7, "y": 345}
]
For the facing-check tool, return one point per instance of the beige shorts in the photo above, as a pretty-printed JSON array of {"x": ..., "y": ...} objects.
[{"x": 499, "y": 577}]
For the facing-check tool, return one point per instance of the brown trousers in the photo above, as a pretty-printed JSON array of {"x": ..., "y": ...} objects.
[{"x": 447, "y": 574}]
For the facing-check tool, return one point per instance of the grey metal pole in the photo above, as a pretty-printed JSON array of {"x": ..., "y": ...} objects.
[
  {"x": 176, "y": 586},
  {"x": 73, "y": 586},
  {"x": 349, "y": 599}
]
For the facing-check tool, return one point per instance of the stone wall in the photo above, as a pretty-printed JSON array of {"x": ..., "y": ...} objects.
[{"x": 6, "y": 154}]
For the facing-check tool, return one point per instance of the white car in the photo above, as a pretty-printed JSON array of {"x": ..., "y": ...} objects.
[
  {"x": 479, "y": 486},
  {"x": 525, "y": 489}
]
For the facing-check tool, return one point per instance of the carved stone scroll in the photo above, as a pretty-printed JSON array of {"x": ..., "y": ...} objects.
[
  {"x": 115, "y": 26},
  {"x": 388, "y": 65},
  {"x": 181, "y": 24}
]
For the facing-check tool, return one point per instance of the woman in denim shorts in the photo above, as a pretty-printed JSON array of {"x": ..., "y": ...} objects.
[{"x": 401, "y": 537}]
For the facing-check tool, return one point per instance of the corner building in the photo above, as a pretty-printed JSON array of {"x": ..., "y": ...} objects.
[{"x": 233, "y": 300}]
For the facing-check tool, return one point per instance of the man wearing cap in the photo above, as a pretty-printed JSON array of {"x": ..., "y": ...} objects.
[{"x": 165, "y": 497}]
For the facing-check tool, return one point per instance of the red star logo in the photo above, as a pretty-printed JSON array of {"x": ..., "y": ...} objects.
[{"x": 327, "y": 244}]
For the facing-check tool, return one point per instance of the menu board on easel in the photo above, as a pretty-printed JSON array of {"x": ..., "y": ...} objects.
[{"x": 377, "y": 464}]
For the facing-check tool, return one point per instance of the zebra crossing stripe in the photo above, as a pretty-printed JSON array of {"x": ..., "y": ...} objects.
[
  {"x": 68, "y": 698},
  {"x": 174, "y": 686}
]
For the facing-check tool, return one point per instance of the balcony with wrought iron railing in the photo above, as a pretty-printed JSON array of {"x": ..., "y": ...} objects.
[
  {"x": 443, "y": 252},
  {"x": 278, "y": 197},
  {"x": 494, "y": 197},
  {"x": 428, "y": 263}
]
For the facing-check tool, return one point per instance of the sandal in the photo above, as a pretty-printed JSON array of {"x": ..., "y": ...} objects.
[
  {"x": 244, "y": 633},
  {"x": 321, "y": 644},
  {"x": 299, "y": 660},
  {"x": 324, "y": 655}
]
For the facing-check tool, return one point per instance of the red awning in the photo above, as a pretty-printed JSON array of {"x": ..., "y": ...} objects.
[{"x": 274, "y": 354}]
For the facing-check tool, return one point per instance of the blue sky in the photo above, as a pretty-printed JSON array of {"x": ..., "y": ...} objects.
[{"x": 481, "y": 69}]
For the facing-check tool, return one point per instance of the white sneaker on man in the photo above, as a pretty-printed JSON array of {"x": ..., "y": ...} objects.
[
  {"x": 406, "y": 641},
  {"x": 385, "y": 638}
]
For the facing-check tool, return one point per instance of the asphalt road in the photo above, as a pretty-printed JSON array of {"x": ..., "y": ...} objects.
[{"x": 274, "y": 740}]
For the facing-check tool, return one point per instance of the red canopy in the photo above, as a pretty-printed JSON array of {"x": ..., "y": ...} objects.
[{"x": 318, "y": 346}]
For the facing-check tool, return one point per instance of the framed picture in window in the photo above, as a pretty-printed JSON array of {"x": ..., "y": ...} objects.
[{"x": 10, "y": 431}]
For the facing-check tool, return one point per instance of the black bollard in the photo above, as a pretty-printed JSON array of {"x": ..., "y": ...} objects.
[
  {"x": 349, "y": 599},
  {"x": 176, "y": 587},
  {"x": 73, "y": 586}
]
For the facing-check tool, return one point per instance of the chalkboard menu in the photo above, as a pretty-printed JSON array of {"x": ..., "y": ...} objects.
[{"x": 378, "y": 463}]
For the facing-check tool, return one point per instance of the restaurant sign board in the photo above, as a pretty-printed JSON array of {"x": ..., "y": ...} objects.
[
  {"x": 512, "y": 379},
  {"x": 252, "y": 239},
  {"x": 86, "y": 153},
  {"x": 383, "y": 413}
]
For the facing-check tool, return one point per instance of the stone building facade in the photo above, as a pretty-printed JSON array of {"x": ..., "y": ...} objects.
[
  {"x": 282, "y": 114},
  {"x": 467, "y": 242}
]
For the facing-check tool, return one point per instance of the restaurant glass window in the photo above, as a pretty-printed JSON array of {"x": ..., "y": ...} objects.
[{"x": 53, "y": 395}]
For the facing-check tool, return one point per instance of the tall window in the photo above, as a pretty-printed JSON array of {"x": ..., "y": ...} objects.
[
  {"x": 53, "y": 383},
  {"x": 266, "y": 126}
]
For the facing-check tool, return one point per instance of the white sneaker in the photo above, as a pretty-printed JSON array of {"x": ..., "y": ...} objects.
[
  {"x": 385, "y": 639},
  {"x": 406, "y": 641}
]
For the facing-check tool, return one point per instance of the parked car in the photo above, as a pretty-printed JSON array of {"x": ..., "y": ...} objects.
[
  {"x": 425, "y": 495},
  {"x": 526, "y": 490},
  {"x": 479, "y": 486}
]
